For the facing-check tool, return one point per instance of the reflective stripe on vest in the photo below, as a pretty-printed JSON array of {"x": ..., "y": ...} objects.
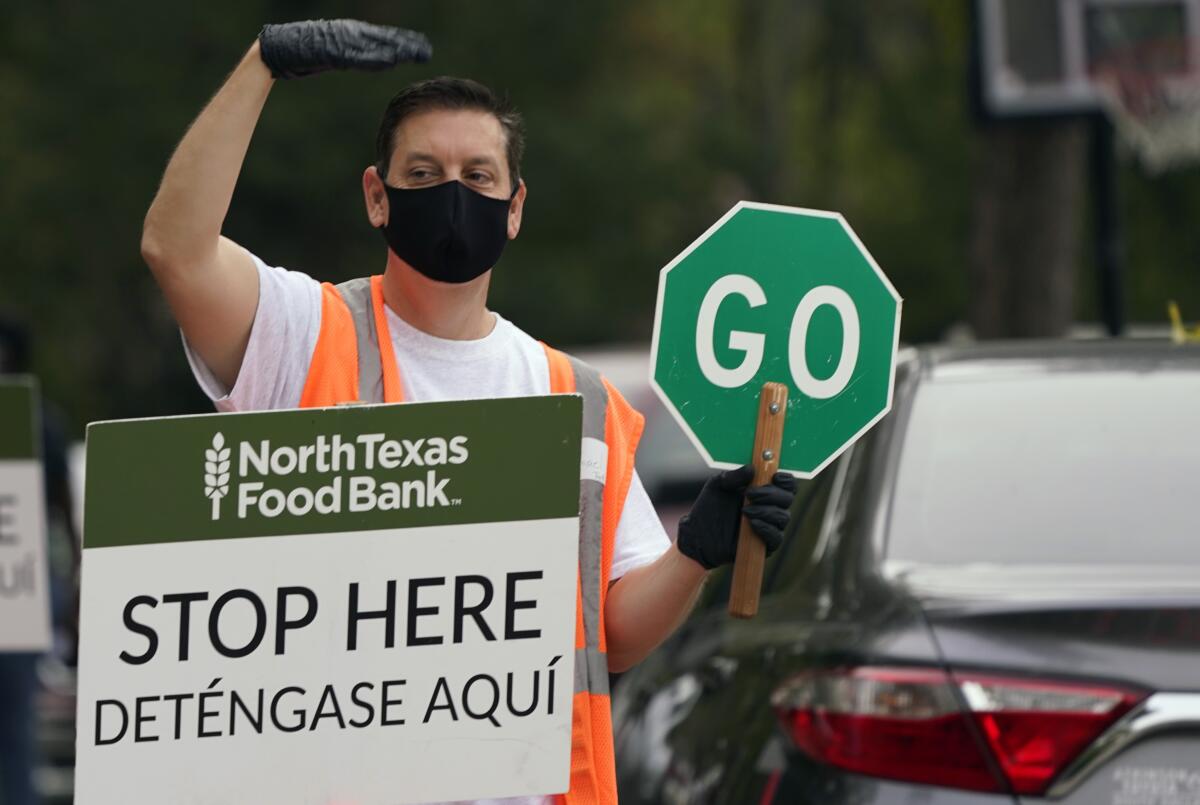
[
  {"x": 356, "y": 293},
  {"x": 591, "y": 666}
]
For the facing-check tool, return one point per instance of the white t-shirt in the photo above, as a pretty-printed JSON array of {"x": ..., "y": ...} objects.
[{"x": 505, "y": 363}]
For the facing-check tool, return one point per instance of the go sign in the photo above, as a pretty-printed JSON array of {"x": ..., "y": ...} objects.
[{"x": 781, "y": 294}]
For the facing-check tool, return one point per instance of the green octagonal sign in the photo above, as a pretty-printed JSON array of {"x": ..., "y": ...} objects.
[{"x": 773, "y": 293}]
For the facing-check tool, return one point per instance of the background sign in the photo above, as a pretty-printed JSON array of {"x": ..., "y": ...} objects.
[
  {"x": 337, "y": 605},
  {"x": 24, "y": 575},
  {"x": 781, "y": 294}
]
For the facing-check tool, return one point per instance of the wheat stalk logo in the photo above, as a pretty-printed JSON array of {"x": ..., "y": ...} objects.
[{"x": 216, "y": 473}]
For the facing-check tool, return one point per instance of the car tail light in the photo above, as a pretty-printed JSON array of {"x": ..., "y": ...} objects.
[
  {"x": 1035, "y": 729},
  {"x": 910, "y": 724}
]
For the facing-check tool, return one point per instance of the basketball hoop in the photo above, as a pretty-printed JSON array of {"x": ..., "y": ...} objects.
[
  {"x": 1151, "y": 93},
  {"x": 1135, "y": 61}
]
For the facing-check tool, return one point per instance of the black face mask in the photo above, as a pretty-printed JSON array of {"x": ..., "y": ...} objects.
[{"x": 448, "y": 232}]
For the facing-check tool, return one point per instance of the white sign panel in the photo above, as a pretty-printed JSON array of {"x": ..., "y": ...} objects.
[
  {"x": 335, "y": 661},
  {"x": 24, "y": 576}
]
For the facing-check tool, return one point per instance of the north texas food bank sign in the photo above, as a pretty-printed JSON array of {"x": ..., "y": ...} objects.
[
  {"x": 335, "y": 605},
  {"x": 332, "y": 455}
]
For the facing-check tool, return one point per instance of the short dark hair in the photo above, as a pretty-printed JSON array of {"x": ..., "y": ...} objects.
[{"x": 446, "y": 92}]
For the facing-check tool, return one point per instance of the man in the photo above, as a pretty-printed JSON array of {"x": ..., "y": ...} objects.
[{"x": 447, "y": 194}]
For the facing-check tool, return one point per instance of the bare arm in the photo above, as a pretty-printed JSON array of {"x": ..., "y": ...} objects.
[
  {"x": 209, "y": 281},
  {"x": 647, "y": 604}
]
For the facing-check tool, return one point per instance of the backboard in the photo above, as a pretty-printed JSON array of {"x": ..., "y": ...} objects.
[{"x": 1062, "y": 57}]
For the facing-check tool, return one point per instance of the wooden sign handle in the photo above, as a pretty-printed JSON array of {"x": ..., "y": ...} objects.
[{"x": 751, "y": 553}]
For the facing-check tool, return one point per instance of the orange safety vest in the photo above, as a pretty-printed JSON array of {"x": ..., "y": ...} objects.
[{"x": 353, "y": 361}]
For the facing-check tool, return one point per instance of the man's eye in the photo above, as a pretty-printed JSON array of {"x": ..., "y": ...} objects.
[
  {"x": 419, "y": 174},
  {"x": 479, "y": 177}
]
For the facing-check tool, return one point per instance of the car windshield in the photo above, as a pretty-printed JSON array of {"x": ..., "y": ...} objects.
[{"x": 1054, "y": 467}]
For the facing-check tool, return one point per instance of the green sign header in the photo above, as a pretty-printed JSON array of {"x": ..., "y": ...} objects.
[{"x": 344, "y": 469}]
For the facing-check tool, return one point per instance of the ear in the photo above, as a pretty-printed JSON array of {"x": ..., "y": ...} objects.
[
  {"x": 515, "y": 208},
  {"x": 375, "y": 197}
]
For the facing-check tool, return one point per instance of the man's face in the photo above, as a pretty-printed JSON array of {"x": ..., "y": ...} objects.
[{"x": 441, "y": 145}]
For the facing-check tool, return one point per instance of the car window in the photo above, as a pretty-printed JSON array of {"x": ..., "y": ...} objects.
[{"x": 1090, "y": 466}]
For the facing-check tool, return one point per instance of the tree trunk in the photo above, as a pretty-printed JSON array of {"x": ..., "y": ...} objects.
[
  {"x": 761, "y": 90},
  {"x": 1025, "y": 229}
]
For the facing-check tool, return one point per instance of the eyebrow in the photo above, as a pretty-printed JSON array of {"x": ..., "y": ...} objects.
[{"x": 420, "y": 156}]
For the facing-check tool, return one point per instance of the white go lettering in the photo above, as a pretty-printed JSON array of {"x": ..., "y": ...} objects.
[{"x": 751, "y": 345}]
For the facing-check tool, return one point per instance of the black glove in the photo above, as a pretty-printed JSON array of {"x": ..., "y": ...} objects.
[
  {"x": 296, "y": 49},
  {"x": 709, "y": 532}
]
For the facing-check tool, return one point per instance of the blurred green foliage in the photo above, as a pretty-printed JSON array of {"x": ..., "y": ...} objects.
[{"x": 646, "y": 121}]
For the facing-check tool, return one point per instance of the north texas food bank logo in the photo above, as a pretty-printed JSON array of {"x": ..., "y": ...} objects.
[{"x": 331, "y": 455}]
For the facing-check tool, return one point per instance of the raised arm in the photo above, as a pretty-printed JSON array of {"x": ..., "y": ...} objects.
[{"x": 208, "y": 280}]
